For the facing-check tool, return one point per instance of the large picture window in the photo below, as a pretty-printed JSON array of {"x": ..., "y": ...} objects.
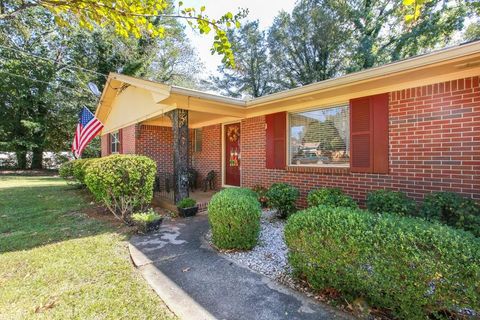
[
  {"x": 114, "y": 142},
  {"x": 320, "y": 137}
]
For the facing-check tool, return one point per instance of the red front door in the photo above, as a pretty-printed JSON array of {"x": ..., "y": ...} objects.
[{"x": 232, "y": 154}]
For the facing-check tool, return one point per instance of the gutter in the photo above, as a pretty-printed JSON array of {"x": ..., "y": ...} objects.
[{"x": 387, "y": 69}]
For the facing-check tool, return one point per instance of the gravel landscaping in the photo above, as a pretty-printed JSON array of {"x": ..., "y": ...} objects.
[{"x": 269, "y": 257}]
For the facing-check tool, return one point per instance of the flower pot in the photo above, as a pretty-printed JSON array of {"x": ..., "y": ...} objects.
[
  {"x": 188, "y": 212},
  {"x": 154, "y": 225},
  {"x": 150, "y": 226}
]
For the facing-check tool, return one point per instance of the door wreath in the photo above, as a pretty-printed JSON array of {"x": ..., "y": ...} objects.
[{"x": 233, "y": 133}]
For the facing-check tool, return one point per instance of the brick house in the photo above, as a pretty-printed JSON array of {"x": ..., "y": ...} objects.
[{"x": 412, "y": 125}]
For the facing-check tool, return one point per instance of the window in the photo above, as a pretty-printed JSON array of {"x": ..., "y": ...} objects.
[
  {"x": 114, "y": 142},
  {"x": 320, "y": 137},
  {"x": 197, "y": 146}
]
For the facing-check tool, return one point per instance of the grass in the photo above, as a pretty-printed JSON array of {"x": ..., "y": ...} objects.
[{"x": 57, "y": 263}]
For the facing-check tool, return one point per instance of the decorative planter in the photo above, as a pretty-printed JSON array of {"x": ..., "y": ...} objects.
[
  {"x": 154, "y": 226},
  {"x": 150, "y": 227},
  {"x": 188, "y": 212}
]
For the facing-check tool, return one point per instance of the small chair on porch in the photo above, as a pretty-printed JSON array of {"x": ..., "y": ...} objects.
[
  {"x": 192, "y": 179},
  {"x": 209, "y": 181}
]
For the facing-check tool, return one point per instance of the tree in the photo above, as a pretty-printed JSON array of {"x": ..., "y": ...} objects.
[
  {"x": 131, "y": 18},
  {"x": 381, "y": 35},
  {"x": 44, "y": 72},
  {"x": 308, "y": 45},
  {"x": 251, "y": 75}
]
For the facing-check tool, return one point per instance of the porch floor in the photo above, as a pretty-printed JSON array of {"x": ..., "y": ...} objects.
[{"x": 165, "y": 200}]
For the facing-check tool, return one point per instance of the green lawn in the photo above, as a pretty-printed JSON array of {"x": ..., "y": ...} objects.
[{"x": 56, "y": 263}]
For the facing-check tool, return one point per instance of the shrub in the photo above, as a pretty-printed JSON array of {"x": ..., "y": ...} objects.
[
  {"x": 261, "y": 195},
  {"x": 66, "y": 170},
  {"x": 123, "y": 183},
  {"x": 234, "y": 216},
  {"x": 388, "y": 201},
  {"x": 454, "y": 210},
  {"x": 80, "y": 168},
  {"x": 186, "y": 203},
  {"x": 146, "y": 217},
  {"x": 408, "y": 265},
  {"x": 333, "y": 197},
  {"x": 282, "y": 196}
]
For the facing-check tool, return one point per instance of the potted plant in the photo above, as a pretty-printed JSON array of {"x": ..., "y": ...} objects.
[
  {"x": 147, "y": 221},
  {"x": 187, "y": 207}
]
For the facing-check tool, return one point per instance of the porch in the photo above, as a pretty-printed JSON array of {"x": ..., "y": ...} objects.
[{"x": 165, "y": 199}]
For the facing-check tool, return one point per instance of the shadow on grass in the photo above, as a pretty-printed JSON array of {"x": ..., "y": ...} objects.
[{"x": 35, "y": 211}]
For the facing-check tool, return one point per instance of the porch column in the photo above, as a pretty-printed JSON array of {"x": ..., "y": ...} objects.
[{"x": 179, "y": 118}]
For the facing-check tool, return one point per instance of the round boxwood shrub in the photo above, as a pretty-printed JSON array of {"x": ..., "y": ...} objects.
[
  {"x": 122, "y": 183},
  {"x": 333, "y": 197},
  {"x": 454, "y": 210},
  {"x": 66, "y": 170},
  {"x": 282, "y": 196},
  {"x": 388, "y": 201},
  {"x": 234, "y": 216},
  {"x": 410, "y": 266},
  {"x": 80, "y": 168}
]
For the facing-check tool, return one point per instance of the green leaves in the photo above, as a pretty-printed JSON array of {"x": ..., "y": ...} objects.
[
  {"x": 282, "y": 196},
  {"x": 234, "y": 216},
  {"x": 454, "y": 210},
  {"x": 122, "y": 183},
  {"x": 136, "y": 18},
  {"x": 407, "y": 265},
  {"x": 333, "y": 197},
  {"x": 389, "y": 201}
]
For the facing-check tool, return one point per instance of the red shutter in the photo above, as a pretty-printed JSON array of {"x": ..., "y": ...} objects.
[
  {"x": 361, "y": 136},
  {"x": 276, "y": 144},
  {"x": 109, "y": 143},
  {"x": 380, "y": 133},
  {"x": 120, "y": 140},
  {"x": 369, "y": 134}
]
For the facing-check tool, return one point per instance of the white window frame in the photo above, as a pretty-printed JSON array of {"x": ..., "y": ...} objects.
[
  {"x": 289, "y": 150},
  {"x": 114, "y": 142}
]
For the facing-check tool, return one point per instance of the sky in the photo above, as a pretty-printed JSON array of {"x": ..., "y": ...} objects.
[{"x": 261, "y": 10}]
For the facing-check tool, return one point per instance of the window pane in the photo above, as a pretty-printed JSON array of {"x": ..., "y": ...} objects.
[
  {"x": 114, "y": 142},
  {"x": 320, "y": 137}
]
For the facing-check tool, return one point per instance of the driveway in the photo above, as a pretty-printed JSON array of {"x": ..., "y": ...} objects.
[{"x": 198, "y": 283}]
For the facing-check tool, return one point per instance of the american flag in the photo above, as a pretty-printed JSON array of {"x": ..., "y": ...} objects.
[{"x": 87, "y": 128}]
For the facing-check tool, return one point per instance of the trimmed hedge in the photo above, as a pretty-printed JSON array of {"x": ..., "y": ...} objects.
[
  {"x": 80, "y": 168},
  {"x": 282, "y": 196},
  {"x": 389, "y": 201},
  {"x": 407, "y": 265},
  {"x": 333, "y": 197},
  {"x": 453, "y": 210},
  {"x": 123, "y": 183},
  {"x": 66, "y": 170},
  {"x": 234, "y": 216}
]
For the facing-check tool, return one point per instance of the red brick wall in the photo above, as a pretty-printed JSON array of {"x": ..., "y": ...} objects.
[
  {"x": 434, "y": 145},
  {"x": 157, "y": 143},
  {"x": 210, "y": 156},
  {"x": 128, "y": 140}
]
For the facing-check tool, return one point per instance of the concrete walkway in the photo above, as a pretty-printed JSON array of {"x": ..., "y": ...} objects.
[{"x": 197, "y": 283}]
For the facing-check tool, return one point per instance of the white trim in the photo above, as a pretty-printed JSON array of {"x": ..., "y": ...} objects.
[{"x": 223, "y": 154}]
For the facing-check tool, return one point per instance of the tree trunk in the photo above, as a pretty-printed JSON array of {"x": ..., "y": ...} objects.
[
  {"x": 21, "y": 159},
  {"x": 179, "y": 118},
  {"x": 37, "y": 158}
]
